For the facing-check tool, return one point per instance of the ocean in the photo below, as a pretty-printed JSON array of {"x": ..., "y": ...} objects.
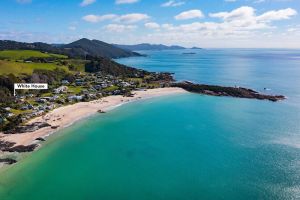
[{"x": 185, "y": 146}]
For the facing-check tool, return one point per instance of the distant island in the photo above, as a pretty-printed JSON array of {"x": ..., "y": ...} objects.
[{"x": 146, "y": 46}]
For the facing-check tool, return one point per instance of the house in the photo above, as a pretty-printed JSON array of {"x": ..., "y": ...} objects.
[
  {"x": 79, "y": 82},
  {"x": 10, "y": 114},
  {"x": 75, "y": 98},
  {"x": 24, "y": 107},
  {"x": 98, "y": 87},
  {"x": 62, "y": 89},
  {"x": 41, "y": 100},
  {"x": 65, "y": 82},
  {"x": 7, "y": 108}
]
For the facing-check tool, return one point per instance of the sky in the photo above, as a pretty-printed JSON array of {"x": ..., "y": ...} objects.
[{"x": 202, "y": 23}]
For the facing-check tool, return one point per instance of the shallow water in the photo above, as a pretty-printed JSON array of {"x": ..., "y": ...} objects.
[{"x": 185, "y": 146}]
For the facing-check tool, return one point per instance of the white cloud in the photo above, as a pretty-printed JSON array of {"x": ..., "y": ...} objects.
[
  {"x": 72, "y": 28},
  {"x": 152, "y": 25},
  {"x": 126, "y": 1},
  {"x": 277, "y": 15},
  {"x": 24, "y": 1},
  {"x": 172, "y": 3},
  {"x": 87, "y": 2},
  {"x": 241, "y": 24},
  {"x": 245, "y": 17},
  {"x": 119, "y": 28},
  {"x": 191, "y": 14},
  {"x": 99, "y": 18},
  {"x": 133, "y": 18},
  {"x": 241, "y": 13},
  {"x": 128, "y": 18}
]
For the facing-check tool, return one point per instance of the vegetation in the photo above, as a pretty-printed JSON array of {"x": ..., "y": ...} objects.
[
  {"x": 107, "y": 66},
  {"x": 18, "y": 68},
  {"x": 78, "y": 49},
  {"x": 26, "y": 54}
]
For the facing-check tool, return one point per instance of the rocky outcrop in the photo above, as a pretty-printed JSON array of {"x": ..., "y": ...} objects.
[
  {"x": 28, "y": 128},
  {"x": 8, "y": 161},
  {"x": 214, "y": 90},
  {"x": 10, "y": 147}
]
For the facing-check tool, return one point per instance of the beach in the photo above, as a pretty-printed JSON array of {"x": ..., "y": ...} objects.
[{"x": 65, "y": 116}]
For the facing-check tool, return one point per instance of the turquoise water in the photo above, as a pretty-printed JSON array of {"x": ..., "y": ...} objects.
[{"x": 185, "y": 146}]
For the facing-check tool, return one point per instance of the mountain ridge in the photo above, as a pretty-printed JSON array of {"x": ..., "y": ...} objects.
[
  {"x": 147, "y": 46},
  {"x": 79, "y": 48}
]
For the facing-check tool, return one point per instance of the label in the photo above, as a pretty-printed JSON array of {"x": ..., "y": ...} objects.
[{"x": 30, "y": 86}]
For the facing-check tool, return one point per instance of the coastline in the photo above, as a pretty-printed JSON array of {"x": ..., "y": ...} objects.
[{"x": 67, "y": 115}]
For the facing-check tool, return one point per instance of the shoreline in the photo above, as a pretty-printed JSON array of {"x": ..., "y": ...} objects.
[{"x": 65, "y": 116}]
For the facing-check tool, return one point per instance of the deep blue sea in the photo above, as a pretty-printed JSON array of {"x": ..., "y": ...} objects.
[{"x": 180, "y": 147}]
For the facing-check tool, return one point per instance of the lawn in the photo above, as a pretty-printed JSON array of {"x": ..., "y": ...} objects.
[
  {"x": 7, "y": 67},
  {"x": 25, "y": 54},
  {"x": 75, "y": 89},
  {"x": 111, "y": 88}
]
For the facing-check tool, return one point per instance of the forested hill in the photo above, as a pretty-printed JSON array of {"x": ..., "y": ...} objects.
[
  {"x": 96, "y": 48},
  {"x": 39, "y": 46},
  {"x": 146, "y": 46},
  {"x": 77, "y": 49}
]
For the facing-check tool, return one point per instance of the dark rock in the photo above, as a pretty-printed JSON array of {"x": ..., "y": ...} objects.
[
  {"x": 54, "y": 127},
  {"x": 4, "y": 145},
  {"x": 214, "y": 90},
  {"x": 10, "y": 147},
  {"x": 28, "y": 128},
  {"x": 40, "y": 139},
  {"x": 8, "y": 161},
  {"x": 22, "y": 148}
]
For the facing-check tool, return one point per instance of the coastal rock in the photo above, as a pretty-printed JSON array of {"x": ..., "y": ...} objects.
[
  {"x": 28, "y": 128},
  {"x": 4, "y": 145},
  {"x": 40, "y": 139},
  {"x": 214, "y": 90},
  {"x": 22, "y": 148},
  {"x": 101, "y": 111},
  {"x": 10, "y": 147},
  {"x": 8, "y": 161}
]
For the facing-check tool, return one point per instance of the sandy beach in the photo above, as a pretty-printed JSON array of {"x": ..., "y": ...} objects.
[{"x": 65, "y": 116}]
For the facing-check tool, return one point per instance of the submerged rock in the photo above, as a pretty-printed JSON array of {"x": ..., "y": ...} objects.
[{"x": 8, "y": 161}]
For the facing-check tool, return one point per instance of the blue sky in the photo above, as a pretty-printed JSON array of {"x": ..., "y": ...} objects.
[{"x": 204, "y": 23}]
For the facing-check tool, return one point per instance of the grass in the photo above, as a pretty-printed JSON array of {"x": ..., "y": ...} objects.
[
  {"x": 111, "y": 88},
  {"x": 49, "y": 94},
  {"x": 18, "y": 112},
  {"x": 17, "y": 68},
  {"x": 75, "y": 89},
  {"x": 78, "y": 64},
  {"x": 25, "y": 54}
]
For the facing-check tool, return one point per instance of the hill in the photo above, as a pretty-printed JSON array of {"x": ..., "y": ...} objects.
[
  {"x": 26, "y": 54},
  {"x": 96, "y": 48},
  {"x": 14, "y": 45},
  {"x": 18, "y": 68},
  {"x": 78, "y": 49},
  {"x": 146, "y": 46}
]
